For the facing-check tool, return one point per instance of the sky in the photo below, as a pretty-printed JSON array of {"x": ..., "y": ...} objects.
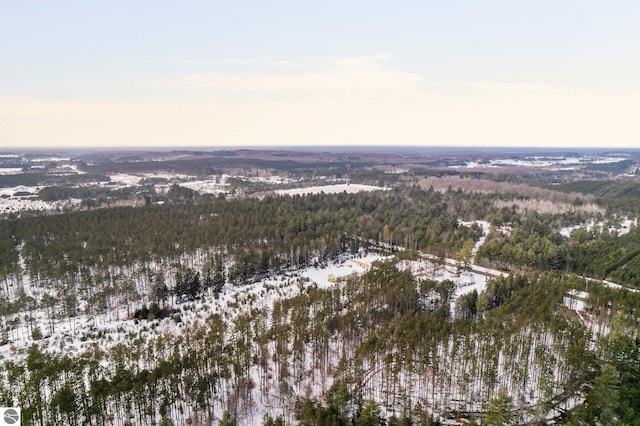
[{"x": 136, "y": 73}]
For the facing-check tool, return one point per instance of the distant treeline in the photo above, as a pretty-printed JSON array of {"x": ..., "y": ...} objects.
[
  {"x": 615, "y": 168},
  {"x": 615, "y": 195},
  {"x": 39, "y": 179},
  {"x": 218, "y": 165}
]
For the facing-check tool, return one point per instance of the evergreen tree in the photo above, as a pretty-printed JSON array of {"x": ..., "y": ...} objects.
[
  {"x": 228, "y": 420},
  {"x": 500, "y": 410},
  {"x": 219, "y": 278},
  {"x": 370, "y": 415},
  {"x": 604, "y": 399},
  {"x": 161, "y": 291}
]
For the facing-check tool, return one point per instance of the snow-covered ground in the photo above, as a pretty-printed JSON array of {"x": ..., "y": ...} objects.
[
  {"x": 7, "y": 192},
  {"x": 50, "y": 159},
  {"x": 74, "y": 336},
  {"x": 623, "y": 228},
  {"x": 10, "y": 203},
  {"x": 213, "y": 185},
  {"x": 10, "y": 170},
  {"x": 326, "y": 277},
  {"x": 568, "y": 163},
  {"x": 210, "y": 186},
  {"x": 350, "y": 188},
  {"x": 125, "y": 179}
]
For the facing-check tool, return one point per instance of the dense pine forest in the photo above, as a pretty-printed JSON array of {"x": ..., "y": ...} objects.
[
  {"x": 223, "y": 327},
  {"x": 266, "y": 234}
]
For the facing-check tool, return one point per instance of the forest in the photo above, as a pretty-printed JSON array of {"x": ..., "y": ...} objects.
[
  {"x": 375, "y": 351},
  {"x": 222, "y": 326}
]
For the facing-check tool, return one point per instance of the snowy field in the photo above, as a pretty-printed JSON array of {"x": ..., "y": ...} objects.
[
  {"x": 125, "y": 179},
  {"x": 205, "y": 186},
  {"x": 8, "y": 192},
  {"x": 10, "y": 171},
  {"x": 10, "y": 203},
  {"x": 568, "y": 163},
  {"x": 330, "y": 189}
]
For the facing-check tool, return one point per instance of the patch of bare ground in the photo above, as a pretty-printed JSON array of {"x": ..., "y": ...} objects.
[{"x": 537, "y": 199}]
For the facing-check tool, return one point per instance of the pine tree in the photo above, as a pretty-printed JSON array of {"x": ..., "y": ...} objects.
[
  {"x": 161, "y": 291},
  {"x": 228, "y": 420},
  {"x": 370, "y": 415},
  {"x": 500, "y": 410}
]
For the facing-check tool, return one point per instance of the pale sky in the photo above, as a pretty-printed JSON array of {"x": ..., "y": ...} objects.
[{"x": 259, "y": 73}]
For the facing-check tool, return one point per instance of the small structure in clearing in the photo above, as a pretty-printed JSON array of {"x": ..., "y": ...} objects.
[{"x": 361, "y": 263}]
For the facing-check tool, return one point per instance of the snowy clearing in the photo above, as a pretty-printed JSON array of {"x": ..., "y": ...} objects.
[
  {"x": 10, "y": 171},
  {"x": 622, "y": 228},
  {"x": 330, "y": 189}
]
